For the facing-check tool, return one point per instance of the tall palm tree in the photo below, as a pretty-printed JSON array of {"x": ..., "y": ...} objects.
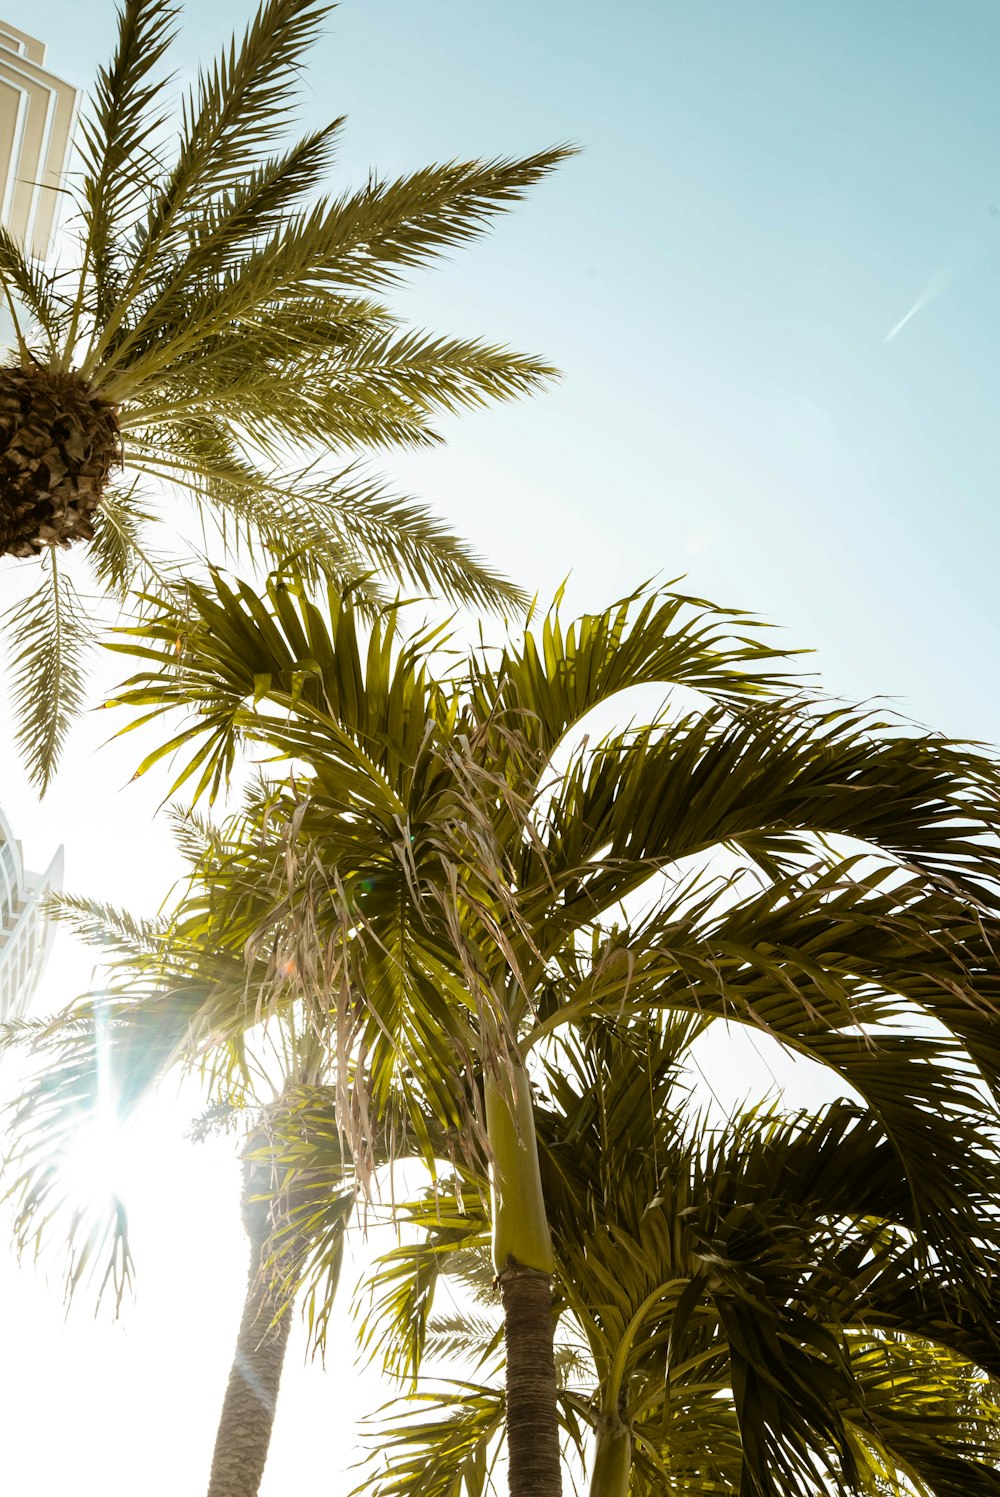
[
  {"x": 747, "y": 1298},
  {"x": 176, "y": 996},
  {"x": 446, "y": 893},
  {"x": 280, "y": 1201},
  {"x": 107, "y": 1056},
  {"x": 221, "y": 335}
]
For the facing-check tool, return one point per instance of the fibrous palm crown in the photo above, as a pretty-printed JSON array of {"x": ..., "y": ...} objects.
[{"x": 219, "y": 334}]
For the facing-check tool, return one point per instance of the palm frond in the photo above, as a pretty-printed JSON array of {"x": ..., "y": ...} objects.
[
  {"x": 25, "y": 281},
  {"x": 343, "y": 529},
  {"x": 469, "y": 1338},
  {"x": 120, "y": 553},
  {"x": 776, "y": 782},
  {"x": 655, "y": 636},
  {"x": 248, "y": 211},
  {"x": 105, "y": 926},
  {"x": 99, "y": 1065},
  {"x": 437, "y": 1453},
  {"x": 50, "y": 637},
  {"x": 125, "y": 118},
  {"x": 234, "y": 111}
]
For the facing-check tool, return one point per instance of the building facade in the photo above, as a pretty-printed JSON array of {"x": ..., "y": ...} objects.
[
  {"x": 25, "y": 932},
  {"x": 37, "y": 113}
]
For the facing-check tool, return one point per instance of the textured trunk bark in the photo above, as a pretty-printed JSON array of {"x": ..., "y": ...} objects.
[
  {"x": 247, "y": 1418},
  {"x": 532, "y": 1422}
]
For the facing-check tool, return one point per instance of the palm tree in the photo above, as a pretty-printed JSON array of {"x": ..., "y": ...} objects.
[
  {"x": 222, "y": 335},
  {"x": 445, "y": 893},
  {"x": 176, "y": 997},
  {"x": 747, "y": 1299},
  {"x": 279, "y": 1202}
]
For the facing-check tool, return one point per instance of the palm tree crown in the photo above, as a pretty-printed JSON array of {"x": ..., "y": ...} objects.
[
  {"x": 446, "y": 880},
  {"x": 222, "y": 333}
]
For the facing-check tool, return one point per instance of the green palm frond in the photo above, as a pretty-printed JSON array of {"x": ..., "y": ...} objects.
[
  {"x": 312, "y": 1198},
  {"x": 216, "y": 336},
  {"x": 50, "y": 639},
  {"x": 361, "y": 242},
  {"x": 235, "y": 111},
  {"x": 650, "y": 648},
  {"x": 654, "y": 637},
  {"x": 343, "y": 529},
  {"x": 440, "y": 1454},
  {"x": 469, "y": 1338},
  {"x": 776, "y": 783},
  {"x": 747, "y": 1294},
  {"x": 448, "y": 898},
  {"x": 833, "y": 954},
  {"x": 25, "y": 282},
  {"x": 125, "y": 120},
  {"x": 105, "y": 926},
  {"x": 120, "y": 553},
  {"x": 393, "y": 1307}
]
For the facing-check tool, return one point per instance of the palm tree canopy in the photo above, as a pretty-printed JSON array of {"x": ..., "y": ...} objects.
[
  {"x": 222, "y": 333},
  {"x": 440, "y": 878},
  {"x": 746, "y": 1297},
  {"x": 435, "y": 877},
  {"x": 427, "y": 860}
]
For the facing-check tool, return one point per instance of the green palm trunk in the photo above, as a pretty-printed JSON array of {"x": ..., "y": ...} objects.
[
  {"x": 522, "y": 1258},
  {"x": 612, "y": 1458}
]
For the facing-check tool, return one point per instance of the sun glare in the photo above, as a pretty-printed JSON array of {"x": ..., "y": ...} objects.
[{"x": 102, "y": 1162}]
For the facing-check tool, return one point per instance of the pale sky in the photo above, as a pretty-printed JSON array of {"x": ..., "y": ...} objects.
[{"x": 772, "y": 282}]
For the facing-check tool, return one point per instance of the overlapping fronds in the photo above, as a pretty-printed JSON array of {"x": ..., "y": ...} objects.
[
  {"x": 436, "y": 883},
  {"x": 169, "y": 1003},
  {"x": 226, "y": 308},
  {"x": 420, "y": 1447},
  {"x": 441, "y": 868},
  {"x": 748, "y": 1294},
  {"x": 441, "y": 1229}
]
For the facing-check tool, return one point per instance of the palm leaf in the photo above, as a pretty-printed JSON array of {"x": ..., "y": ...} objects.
[
  {"x": 50, "y": 636},
  {"x": 115, "y": 139}
]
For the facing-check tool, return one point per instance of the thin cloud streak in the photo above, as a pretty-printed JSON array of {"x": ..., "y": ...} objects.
[
  {"x": 942, "y": 279},
  {"x": 939, "y": 281}
]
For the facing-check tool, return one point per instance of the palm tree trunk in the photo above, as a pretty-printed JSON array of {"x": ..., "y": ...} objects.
[
  {"x": 522, "y": 1258},
  {"x": 247, "y": 1418},
  {"x": 612, "y": 1459},
  {"x": 532, "y": 1423}
]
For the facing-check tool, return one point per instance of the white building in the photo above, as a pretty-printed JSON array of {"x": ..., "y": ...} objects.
[
  {"x": 25, "y": 932},
  {"x": 37, "y": 113}
]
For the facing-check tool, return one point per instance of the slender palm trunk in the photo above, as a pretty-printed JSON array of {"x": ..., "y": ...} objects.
[
  {"x": 612, "y": 1458},
  {"x": 532, "y": 1422},
  {"x": 247, "y": 1418},
  {"x": 522, "y": 1257}
]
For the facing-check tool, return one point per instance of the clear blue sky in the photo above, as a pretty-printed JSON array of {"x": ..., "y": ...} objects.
[{"x": 766, "y": 189}]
